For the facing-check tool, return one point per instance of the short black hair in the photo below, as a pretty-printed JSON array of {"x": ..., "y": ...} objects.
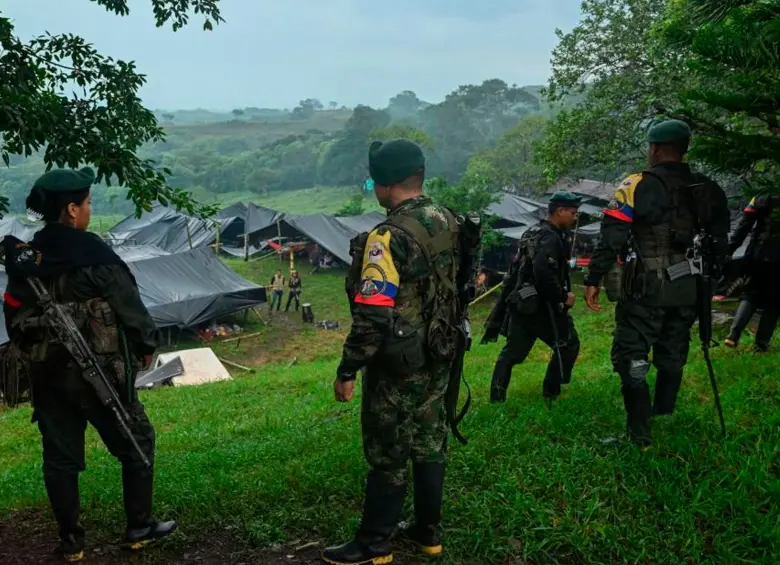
[
  {"x": 679, "y": 147},
  {"x": 553, "y": 208}
]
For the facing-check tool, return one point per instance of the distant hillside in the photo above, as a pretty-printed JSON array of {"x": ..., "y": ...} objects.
[{"x": 259, "y": 152}]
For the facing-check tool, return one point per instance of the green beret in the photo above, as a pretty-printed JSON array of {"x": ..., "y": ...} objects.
[
  {"x": 394, "y": 161},
  {"x": 669, "y": 131},
  {"x": 563, "y": 198},
  {"x": 66, "y": 180}
]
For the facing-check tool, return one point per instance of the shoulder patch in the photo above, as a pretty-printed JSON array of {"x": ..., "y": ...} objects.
[
  {"x": 621, "y": 207},
  {"x": 751, "y": 207},
  {"x": 379, "y": 279}
]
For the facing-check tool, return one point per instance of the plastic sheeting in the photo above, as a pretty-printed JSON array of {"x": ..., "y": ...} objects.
[
  {"x": 359, "y": 224},
  {"x": 513, "y": 210},
  {"x": 168, "y": 229},
  {"x": 331, "y": 233},
  {"x": 10, "y": 225},
  {"x": 185, "y": 289},
  {"x": 181, "y": 290}
]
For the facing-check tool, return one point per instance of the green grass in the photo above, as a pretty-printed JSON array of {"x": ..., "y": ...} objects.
[
  {"x": 274, "y": 457},
  {"x": 320, "y": 199}
]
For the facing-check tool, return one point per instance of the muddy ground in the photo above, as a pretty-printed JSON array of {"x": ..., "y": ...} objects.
[{"x": 30, "y": 537}]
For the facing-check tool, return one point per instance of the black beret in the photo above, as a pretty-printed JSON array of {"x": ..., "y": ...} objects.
[
  {"x": 66, "y": 180},
  {"x": 394, "y": 161},
  {"x": 669, "y": 131},
  {"x": 563, "y": 198}
]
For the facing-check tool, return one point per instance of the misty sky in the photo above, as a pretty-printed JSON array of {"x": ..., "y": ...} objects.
[{"x": 273, "y": 53}]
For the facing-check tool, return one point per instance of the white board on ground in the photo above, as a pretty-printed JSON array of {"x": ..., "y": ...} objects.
[{"x": 201, "y": 366}]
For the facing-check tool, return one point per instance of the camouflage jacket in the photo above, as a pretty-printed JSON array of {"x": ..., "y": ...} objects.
[{"x": 393, "y": 273}]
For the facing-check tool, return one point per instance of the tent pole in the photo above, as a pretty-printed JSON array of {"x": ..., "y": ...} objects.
[
  {"x": 189, "y": 236},
  {"x": 219, "y": 230},
  {"x": 246, "y": 239},
  {"x": 279, "y": 234}
]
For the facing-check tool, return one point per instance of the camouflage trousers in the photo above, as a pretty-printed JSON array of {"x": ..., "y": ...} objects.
[{"x": 404, "y": 418}]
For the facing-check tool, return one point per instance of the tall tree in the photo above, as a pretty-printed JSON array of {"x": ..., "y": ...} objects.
[{"x": 105, "y": 124}]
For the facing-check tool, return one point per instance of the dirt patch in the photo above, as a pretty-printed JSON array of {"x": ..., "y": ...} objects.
[{"x": 30, "y": 537}]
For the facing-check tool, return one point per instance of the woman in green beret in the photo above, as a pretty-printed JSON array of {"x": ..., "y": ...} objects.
[{"x": 82, "y": 271}]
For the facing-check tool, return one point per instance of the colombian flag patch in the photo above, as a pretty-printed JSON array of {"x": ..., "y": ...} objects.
[
  {"x": 622, "y": 205},
  {"x": 379, "y": 279}
]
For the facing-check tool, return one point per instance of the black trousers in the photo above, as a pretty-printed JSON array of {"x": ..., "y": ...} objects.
[
  {"x": 639, "y": 328},
  {"x": 62, "y": 414},
  {"x": 293, "y": 295},
  {"x": 523, "y": 333},
  {"x": 760, "y": 293}
]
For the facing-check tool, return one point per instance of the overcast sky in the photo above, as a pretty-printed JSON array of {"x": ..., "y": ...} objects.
[{"x": 273, "y": 53}]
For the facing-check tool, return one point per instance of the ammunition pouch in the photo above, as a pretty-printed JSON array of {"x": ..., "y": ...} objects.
[
  {"x": 441, "y": 340},
  {"x": 403, "y": 349},
  {"x": 15, "y": 376},
  {"x": 525, "y": 301}
]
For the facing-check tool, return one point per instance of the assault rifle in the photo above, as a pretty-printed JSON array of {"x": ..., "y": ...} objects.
[
  {"x": 700, "y": 262},
  {"x": 470, "y": 237},
  {"x": 61, "y": 323}
]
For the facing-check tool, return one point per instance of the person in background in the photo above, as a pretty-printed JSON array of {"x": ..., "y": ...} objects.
[
  {"x": 294, "y": 290},
  {"x": 315, "y": 257},
  {"x": 761, "y": 219},
  {"x": 277, "y": 290}
]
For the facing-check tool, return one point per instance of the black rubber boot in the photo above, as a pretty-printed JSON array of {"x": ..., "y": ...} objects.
[
  {"x": 381, "y": 511},
  {"x": 63, "y": 491},
  {"x": 137, "y": 489},
  {"x": 428, "y": 492},
  {"x": 667, "y": 387},
  {"x": 766, "y": 327},
  {"x": 502, "y": 374},
  {"x": 636, "y": 399},
  {"x": 72, "y": 545}
]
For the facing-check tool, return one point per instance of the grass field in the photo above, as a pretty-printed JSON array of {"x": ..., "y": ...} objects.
[
  {"x": 319, "y": 199},
  {"x": 273, "y": 459}
]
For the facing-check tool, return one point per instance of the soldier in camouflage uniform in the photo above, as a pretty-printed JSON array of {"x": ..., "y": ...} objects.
[
  {"x": 404, "y": 386},
  {"x": 81, "y": 269}
]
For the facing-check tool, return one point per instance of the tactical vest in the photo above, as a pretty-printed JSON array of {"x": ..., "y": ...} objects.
[
  {"x": 438, "y": 291},
  {"x": 96, "y": 321},
  {"x": 663, "y": 244}
]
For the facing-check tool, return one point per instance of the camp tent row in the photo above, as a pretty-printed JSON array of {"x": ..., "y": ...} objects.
[{"x": 181, "y": 290}]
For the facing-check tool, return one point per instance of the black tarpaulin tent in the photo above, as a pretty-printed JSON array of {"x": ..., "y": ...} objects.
[
  {"x": 513, "y": 210},
  {"x": 250, "y": 217},
  {"x": 330, "y": 233},
  {"x": 172, "y": 231},
  {"x": 181, "y": 290},
  {"x": 3, "y": 282},
  {"x": 365, "y": 222},
  {"x": 186, "y": 289}
]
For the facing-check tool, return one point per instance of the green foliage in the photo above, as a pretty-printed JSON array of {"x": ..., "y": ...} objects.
[
  {"x": 533, "y": 485},
  {"x": 732, "y": 50},
  {"x": 471, "y": 194},
  {"x": 512, "y": 162},
  {"x": 713, "y": 63},
  {"x": 107, "y": 124},
  {"x": 396, "y": 131},
  {"x": 353, "y": 207}
]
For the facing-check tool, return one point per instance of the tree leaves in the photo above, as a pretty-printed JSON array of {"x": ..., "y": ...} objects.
[{"x": 60, "y": 96}]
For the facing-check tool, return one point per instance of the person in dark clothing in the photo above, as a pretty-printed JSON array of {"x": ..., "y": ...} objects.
[
  {"x": 294, "y": 286},
  {"x": 651, "y": 224},
  {"x": 536, "y": 298},
  {"x": 81, "y": 270},
  {"x": 760, "y": 219}
]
